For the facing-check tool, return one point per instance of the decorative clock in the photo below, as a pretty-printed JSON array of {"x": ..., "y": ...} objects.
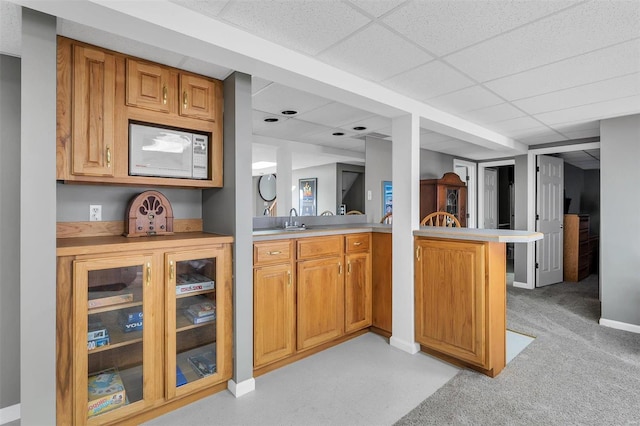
[{"x": 149, "y": 213}]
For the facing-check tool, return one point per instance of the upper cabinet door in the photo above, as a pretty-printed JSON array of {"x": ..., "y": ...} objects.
[
  {"x": 94, "y": 88},
  {"x": 197, "y": 97},
  {"x": 148, "y": 86}
]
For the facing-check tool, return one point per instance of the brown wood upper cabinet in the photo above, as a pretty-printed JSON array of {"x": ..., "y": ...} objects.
[
  {"x": 99, "y": 92},
  {"x": 156, "y": 88}
]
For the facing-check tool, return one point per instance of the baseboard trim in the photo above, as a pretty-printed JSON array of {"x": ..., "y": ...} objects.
[
  {"x": 9, "y": 414},
  {"x": 410, "y": 347},
  {"x": 620, "y": 325},
  {"x": 520, "y": 284},
  {"x": 242, "y": 388}
]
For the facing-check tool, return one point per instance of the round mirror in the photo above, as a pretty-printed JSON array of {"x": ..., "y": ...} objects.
[{"x": 267, "y": 187}]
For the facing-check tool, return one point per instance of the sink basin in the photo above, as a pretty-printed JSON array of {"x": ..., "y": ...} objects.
[{"x": 295, "y": 228}]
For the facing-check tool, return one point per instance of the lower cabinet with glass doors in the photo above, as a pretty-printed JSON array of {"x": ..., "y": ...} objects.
[{"x": 143, "y": 325}]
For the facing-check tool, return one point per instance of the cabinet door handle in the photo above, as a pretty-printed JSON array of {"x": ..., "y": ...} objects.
[
  {"x": 185, "y": 99},
  {"x": 108, "y": 156},
  {"x": 357, "y": 243},
  {"x": 148, "y": 274},
  {"x": 418, "y": 252},
  {"x": 348, "y": 267},
  {"x": 289, "y": 274},
  {"x": 164, "y": 94},
  {"x": 273, "y": 253},
  {"x": 171, "y": 270},
  {"x": 339, "y": 268}
]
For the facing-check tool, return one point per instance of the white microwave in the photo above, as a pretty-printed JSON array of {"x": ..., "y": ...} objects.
[{"x": 162, "y": 152}]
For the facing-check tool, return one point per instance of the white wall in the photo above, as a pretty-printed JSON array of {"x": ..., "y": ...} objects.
[
  {"x": 619, "y": 224},
  {"x": 377, "y": 170},
  {"x": 326, "y": 176}
]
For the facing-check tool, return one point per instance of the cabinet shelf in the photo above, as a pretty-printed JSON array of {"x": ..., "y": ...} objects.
[
  {"x": 195, "y": 293},
  {"x": 112, "y": 308},
  {"x": 184, "y": 324}
]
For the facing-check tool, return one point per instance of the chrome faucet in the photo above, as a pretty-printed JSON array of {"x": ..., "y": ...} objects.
[{"x": 293, "y": 212}]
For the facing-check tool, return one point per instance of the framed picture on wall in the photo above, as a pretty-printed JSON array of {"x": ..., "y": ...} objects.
[
  {"x": 387, "y": 197},
  {"x": 308, "y": 196}
]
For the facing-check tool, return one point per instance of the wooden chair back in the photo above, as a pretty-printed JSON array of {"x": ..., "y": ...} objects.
[
  {"x": 354, "y": 212},
  {"x": 387, "y": 218},
  {"x": 440, "y": 219}
]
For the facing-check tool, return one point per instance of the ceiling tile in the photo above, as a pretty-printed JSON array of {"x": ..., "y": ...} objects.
[
  {"x": 257, "y": 84},
  {"x": 598, "y": 111},
  {"x": 307, "y": 26},
  {"x": 260, "y": 127},
  {"x": 372, "y": 124},
  {"x": 276, "y": 98},
  {"x": 602, "y": 64},
  {"x": 493, "y": 113},
  {"x": 290, "y": 129},
  {"x": 601, "y": 91},
  {"x": 334, "y": 115},
  {"x": 469, "y": 99},
  {"x": 590, "y": 26},
  {"x": 428, "y": 80},
  {"x": 11, "y": 29},
  {"x": 209, "y": 8},
  {"x": 375, "y": 53},
  {"x": 376, "y": 8},
  {"x": 446, "y": 26},
  {"x": 514, "y": 125}
]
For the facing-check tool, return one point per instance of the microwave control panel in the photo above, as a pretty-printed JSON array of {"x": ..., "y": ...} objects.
[{"x": 200, "y": 157}]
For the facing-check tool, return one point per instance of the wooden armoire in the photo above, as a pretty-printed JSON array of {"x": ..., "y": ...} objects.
[{"x": 447, "y": 194}]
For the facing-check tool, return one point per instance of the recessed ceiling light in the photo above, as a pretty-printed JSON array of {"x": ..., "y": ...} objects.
[
  {"x": 338, "y": 134},
  {"x": 289, "y": 112},
  {"x": 359, "y": 128},
  {"x": 271, "y": 120}
]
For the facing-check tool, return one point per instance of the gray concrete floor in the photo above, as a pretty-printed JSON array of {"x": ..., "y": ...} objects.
[{"x": 361, "y": 382}]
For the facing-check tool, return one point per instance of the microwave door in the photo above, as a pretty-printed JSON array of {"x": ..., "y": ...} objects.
[{"x": 160, "y": 152}]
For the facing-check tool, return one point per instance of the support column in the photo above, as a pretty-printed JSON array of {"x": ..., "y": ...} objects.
[
  {"x": 228, "y": 210},
  {"x": 38, "y": 220},
  {"x": 284, "y": 181},
  {"x": 406, "y": 209}
]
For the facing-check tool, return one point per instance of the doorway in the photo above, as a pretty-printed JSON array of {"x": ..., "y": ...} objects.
[{"x": 350, "y": 187}]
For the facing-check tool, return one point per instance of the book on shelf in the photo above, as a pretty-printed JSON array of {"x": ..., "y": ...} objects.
[
  {"x": 96, "y": 330},
  {"x": 106, "y": 392},
  {"x": 180, "y": 378},
  {"x": 202, "y": 309},
  {"x": 203, "y": 364},
  {"x": 97, "y": 343},
  {"x": 189, "y": 283},
  {"x": 99, "y": 299},
  {"x": 199, "y": 320},
  {"x": 133, "y": 314}
]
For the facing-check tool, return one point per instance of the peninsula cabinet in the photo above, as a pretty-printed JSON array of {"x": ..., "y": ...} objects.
[
  {"x": 309, "y": 293},
  {"x": 577, "y": 249},
  {"x": 459, "y": 315},
  {"x": 381, "y": 283},
  {"x": 100, "y": 93},
  {"x": 143, "y": 325}
]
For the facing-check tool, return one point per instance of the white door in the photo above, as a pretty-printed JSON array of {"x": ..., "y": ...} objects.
[
  {"x": 490, "y": 198},
  {"x": 549, "y": 219}
]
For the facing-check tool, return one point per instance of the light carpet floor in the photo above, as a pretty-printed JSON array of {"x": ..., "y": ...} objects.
[{"x": 575, "y": 372}]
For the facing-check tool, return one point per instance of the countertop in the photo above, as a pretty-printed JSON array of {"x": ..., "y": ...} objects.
[
  {"x": 470, "y": 234},
  {"x": 473, "y": 234}
]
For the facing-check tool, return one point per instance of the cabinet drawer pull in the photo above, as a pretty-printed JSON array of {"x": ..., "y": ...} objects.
[
  {"x": 171, "y": 270},
  {"x": 108, "y": 156},
  {"x": 348, "y": 267},
  {"x": 164, "y": 94},
  {"x": 273, "y": 253},
  {"x": 185, "y": 100},
  {"x": 289, "y": 274},
  {"x": 148, "y": 274},
  {"x": 357, "y": 243},
  {"x": 418, "y": 252},
  {"x": 339, "y": 268}
]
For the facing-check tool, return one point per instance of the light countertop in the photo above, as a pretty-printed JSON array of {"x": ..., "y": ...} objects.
[{"x": 473, "y": 234}]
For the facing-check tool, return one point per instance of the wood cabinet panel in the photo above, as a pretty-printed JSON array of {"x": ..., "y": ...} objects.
[
  {"x": 94, "y": 88},
  {"x": 381, "y": 281},
  {"x": 272, "y": 252},
  {"x": 576, "y": 248},
  {"x": 197, "y": 97},
  {"x": 320, "y": 297},
  {"x": 450, "y": 299},
  {"x": 149, "y": 86},
  {"x": 357, "y": 291},
  {"x": 310, "y": 248},
  {"x": 355, "y": 243},
  {"x": 274, "y": 313}
]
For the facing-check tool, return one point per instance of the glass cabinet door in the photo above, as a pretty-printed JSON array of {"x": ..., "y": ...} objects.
[
  {"x": 195, "y": 317},
  {"x": 110, "y": 310}
]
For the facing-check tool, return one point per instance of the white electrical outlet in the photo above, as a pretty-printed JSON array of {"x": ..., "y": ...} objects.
[
  {"x": 95, "y": 212},
  {"x": 369, "y": 195}
]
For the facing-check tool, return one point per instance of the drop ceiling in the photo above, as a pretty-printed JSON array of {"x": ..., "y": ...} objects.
[{"x": 533, "y": 71}]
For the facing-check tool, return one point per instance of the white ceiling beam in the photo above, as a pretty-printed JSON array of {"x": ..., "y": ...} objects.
[{"x": 169, "y": 26}]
